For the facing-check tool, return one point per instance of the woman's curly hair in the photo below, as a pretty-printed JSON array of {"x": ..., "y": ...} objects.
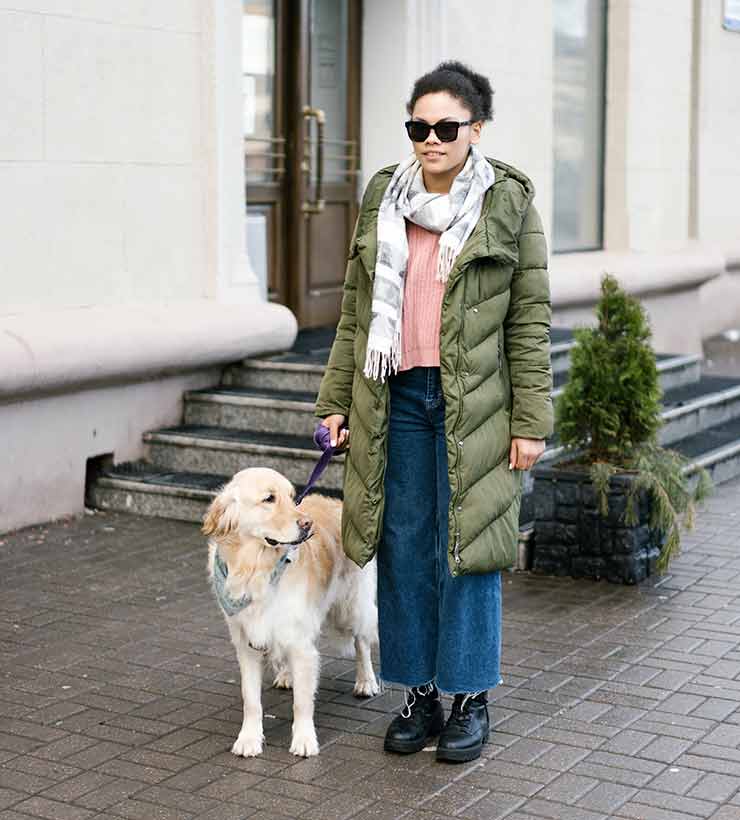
[{"x": 460, "y": 81}]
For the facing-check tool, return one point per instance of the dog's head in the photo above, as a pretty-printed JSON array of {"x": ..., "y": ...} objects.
[{"x": 257, "y": 503}]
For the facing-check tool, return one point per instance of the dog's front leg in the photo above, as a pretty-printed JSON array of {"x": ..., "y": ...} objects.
[
  {"x": 303, "y": 663},
  {"x": 249, "y": 742}
]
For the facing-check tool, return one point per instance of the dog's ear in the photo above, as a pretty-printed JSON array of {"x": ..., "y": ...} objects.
[{"x": 222, "y": 517}]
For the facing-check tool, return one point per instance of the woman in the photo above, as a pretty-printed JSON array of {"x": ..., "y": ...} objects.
[{"x": 441, "y": 365}]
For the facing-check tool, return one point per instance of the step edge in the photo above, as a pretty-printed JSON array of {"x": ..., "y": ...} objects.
[
  {"x": 695, "y": 404},
  {"x": 184, "y": 440},
  {"x": 296, "y": 405},
  {"x": 709, "y": 400},
  {"x": 678, "y": 362},
  {"x": 713, "y": 457},
  {"x": 136, "y": 485},
  {"x": 249, "y": 401},
  {"x": 562, "y": 347},
  {"x": 295, "y": 367}
]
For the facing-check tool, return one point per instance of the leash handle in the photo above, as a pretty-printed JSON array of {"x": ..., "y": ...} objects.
[{"x": 322, "y": 439}]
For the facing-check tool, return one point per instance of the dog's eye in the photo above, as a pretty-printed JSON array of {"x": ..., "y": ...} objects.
[{"x": 270, "y": 499}]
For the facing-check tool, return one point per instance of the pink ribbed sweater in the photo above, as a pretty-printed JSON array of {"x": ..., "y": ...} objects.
[{"x": 422, "y": 301}]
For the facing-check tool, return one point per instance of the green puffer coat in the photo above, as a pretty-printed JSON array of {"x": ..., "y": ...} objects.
[{"x": 495, "y": 372}]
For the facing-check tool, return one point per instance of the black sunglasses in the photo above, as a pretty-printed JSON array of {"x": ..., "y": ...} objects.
[{"x": 446, "y": 130}]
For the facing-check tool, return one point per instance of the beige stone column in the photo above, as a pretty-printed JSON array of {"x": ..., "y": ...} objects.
[
  {"x": 648, "y": 116},
  {"x": 231, "y": 278}
]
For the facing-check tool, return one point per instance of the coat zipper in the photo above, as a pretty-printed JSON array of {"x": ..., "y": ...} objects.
[
  {"x": 385, "y": 461},
  {"x": 456, "y": 547}
]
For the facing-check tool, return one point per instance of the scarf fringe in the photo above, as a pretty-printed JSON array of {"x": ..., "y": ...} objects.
[
  {"x": 380, "y": 364},
  {"x": 445, "y": 261}
]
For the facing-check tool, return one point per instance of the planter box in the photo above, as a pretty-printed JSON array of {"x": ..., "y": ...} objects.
[{"x": 571, "y": 537}]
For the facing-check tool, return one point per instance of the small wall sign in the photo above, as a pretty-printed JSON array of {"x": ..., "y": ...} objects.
[{"x": 731, "y": 19}]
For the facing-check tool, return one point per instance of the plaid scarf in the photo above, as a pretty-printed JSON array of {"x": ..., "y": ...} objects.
[{"x": 454, "y": 215}]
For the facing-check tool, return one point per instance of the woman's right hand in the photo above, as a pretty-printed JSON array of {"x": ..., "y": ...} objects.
[{"x": 338, "y": 437}]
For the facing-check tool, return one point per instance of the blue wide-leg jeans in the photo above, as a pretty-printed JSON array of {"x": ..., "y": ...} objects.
[{"x": 433, "y": 626}]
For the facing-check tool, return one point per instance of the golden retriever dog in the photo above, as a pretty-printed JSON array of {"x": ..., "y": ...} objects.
[{"x": 275, "y": 609}]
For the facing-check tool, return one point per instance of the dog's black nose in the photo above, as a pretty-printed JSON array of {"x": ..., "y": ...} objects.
[{"x": 305, "y": 524}]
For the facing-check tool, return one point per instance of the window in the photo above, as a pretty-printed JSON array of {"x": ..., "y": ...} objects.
[{"x": 578, "y": 123}]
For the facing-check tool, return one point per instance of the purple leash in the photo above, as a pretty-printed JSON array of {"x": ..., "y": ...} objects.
[{"x": 322, "y": 439}]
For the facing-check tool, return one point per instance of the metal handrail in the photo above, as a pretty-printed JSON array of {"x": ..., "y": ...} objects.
[
  {"x": 315, "y": 206},
  {"x": 271, "y": 154},
  {"x": 279, "y": 158}
]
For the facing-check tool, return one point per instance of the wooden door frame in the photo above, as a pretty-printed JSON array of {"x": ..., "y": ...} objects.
[{"x": 296, "y": 258}]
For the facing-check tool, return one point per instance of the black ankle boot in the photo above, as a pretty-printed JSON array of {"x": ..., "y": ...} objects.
[
  {"x": 466, "y": 730},
  {"x": 422, "y": 718}
]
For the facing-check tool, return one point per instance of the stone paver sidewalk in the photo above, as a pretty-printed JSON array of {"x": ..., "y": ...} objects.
[{"x": 119, "y": 694}]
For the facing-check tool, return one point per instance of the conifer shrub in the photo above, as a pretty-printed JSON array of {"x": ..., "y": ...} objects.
[{"x": 609, "y": 414}]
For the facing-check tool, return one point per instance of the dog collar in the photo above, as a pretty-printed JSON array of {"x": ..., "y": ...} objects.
[
  {"x": 230, "y": 605},
  {"x": 233, "y": 606}
]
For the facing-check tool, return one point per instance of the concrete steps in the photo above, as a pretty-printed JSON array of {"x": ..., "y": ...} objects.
[
  {"x": 221, "y": 450},
  {"x": 262, "y": 415},
  {"x": 265, "y": 409},
  {"x": 301, "y": 370},
  {"x": 690, "y": 407},
  {"x": 148, "y": 490}
]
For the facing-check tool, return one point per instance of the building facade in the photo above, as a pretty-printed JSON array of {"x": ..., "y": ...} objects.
[
  {"x": 179, "y": 181},
  {"x": 619, "y": 112}
]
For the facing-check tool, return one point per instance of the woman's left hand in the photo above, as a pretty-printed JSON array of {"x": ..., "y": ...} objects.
[{"x": 524, "y": 452}]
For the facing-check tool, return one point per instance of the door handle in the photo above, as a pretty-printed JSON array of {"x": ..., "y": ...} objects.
[{"x": 315, "y": 205}]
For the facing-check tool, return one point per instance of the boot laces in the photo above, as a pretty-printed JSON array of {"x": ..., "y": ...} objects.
[
  {"x": 459, "y": 712},
  {"x": 409, "y": 697},
  {"x": 467, "y": 697}
]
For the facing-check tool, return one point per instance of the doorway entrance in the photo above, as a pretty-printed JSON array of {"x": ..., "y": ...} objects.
[{"x": 301, "y": 125}]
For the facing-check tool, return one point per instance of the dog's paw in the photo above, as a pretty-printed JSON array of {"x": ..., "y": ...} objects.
[
  {"x": 283, "y": 680},
  {"x": 305, "y": 742},
  {"x": 366, "y": 688},
  {"x": 247, "y": 745}
]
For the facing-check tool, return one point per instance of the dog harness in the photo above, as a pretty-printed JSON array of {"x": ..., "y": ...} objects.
[{"x": 233, "y": 606}]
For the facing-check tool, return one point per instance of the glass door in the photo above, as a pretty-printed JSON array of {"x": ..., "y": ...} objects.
[
  {"x": 330, "y": 164},
  {"x": 264, "y": 142},
  {"x": 301, "y": 122}
]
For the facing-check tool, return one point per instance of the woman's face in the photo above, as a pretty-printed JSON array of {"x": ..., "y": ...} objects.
[{"x": 441, "y": 157}]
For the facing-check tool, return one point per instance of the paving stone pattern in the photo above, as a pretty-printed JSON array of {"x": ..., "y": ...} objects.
[{"x": 119, "y": 694}]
